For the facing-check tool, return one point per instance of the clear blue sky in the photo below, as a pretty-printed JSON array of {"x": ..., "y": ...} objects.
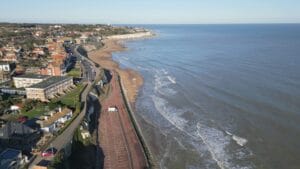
[{"x": 151, "y": 11}]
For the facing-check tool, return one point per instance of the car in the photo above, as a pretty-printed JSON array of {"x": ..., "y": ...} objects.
[
  {"x": 49, "y": 152},
  {"x": 22, "y": 119}
]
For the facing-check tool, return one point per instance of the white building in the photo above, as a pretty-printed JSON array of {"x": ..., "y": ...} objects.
[
  {"x": 27, "y": 80},
  {"x": 5, "y": 67},
  {"x": 54, "y": 120},
  {"x": 6, "y": 70},
  {"x": 50, "y": 88}
]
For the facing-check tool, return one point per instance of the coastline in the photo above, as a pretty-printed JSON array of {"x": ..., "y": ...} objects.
[
  {"x": 131, "y": 79},
  {"x": 130, "y": 82}
]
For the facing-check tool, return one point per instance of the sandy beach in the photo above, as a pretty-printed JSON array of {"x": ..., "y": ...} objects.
[
  {"x": 121, "y": 145},
  {"x": 131, "y": 79}
]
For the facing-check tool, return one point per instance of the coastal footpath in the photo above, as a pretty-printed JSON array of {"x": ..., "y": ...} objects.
[{"x": 123, "y": 144}]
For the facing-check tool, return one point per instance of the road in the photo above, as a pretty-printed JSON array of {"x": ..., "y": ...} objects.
[
  {"x": 90, "y": 70},
  {"x": 63, "y": 139}
]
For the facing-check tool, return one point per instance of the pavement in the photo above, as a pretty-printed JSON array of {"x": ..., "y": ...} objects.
[
  {"x": 66, "y": 137},
  {"x": 63, "y": 139},
  {"x": 89, "y": 67}
]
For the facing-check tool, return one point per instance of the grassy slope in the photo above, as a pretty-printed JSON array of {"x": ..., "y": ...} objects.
[{"x": 71, "y": 99}]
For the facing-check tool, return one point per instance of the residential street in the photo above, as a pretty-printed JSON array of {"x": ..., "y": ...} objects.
[{"x": 65, "y": 138}]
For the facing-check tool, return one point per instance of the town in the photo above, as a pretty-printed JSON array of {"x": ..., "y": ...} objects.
[{"x": 44, "y": 80}]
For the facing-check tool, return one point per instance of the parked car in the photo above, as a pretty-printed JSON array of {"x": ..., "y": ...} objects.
[
  {"x": 22, "y": 119},
  {"x": 49, "y": 152}
]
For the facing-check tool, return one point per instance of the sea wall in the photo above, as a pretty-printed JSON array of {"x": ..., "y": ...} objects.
[{"x": 145, "y": 146}]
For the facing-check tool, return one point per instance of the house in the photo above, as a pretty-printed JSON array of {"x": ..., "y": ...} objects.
[
  {"x": 53, "y": 69},
  {"x": 33, "y": 70},
  {"x": 49, "y": 88},
  {"x": 11, "y": 159},
  {"x": 6, "y": 71},
  {"x": 27, "y": 80},
  {"x": 53, "y": 120},
  {"x": 38, "y": 51},
  {"x": 10, "y": 56},
  {"x": 5, "y": 67},
  {"x": 82, "y": 39},
  {"x": 2, "y": 52},
  {"x": 19, "y": 136}
]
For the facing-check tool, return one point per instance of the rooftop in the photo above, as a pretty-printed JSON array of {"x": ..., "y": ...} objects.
[
  {"x": 11, "y": 129},
  {"x": 44, "y": 163},
  {"x": 56, "y": 116},
  {"x": 4, "y": 63},
  {"x": 33, "y": 76},
  {"x": 50, "y": 81},
  {"x": 9, "y": 154}
]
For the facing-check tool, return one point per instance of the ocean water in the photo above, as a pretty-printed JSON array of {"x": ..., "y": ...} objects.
[{"x": 219, "y": 96}]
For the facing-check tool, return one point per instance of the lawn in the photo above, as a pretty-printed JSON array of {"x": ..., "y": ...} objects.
[
  {"x": 71, "y": 99},
  {"x": 39, "y": 109},
  {"x": 76, "y": 72}
]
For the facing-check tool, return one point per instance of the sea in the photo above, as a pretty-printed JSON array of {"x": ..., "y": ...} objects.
[{"x": 219, "y": 96}]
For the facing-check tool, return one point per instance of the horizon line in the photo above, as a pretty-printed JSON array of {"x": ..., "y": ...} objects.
[{"x": 94, "y": 23}]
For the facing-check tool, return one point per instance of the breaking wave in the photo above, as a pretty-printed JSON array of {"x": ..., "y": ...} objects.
[
  {"x": 162, "y": 82},
  {"x": 213, "y": 140}
]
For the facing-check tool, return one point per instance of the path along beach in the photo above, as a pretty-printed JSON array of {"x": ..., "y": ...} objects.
[{"x": 118, "y": 138}]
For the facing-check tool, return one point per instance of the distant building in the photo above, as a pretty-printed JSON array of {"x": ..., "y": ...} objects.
[
  {"x": 19, "y": 136},
  {"x": 33, "y": 70},
  {"x": 49, "y": 88},
  {"x": 6, "y": 70},
  {"x": 36, "y": 53},
  {"x": 53, "y": 69},
  {"x": 10, "y": 56},
  {"x": 52, "y": 121},
  {"x": 11, "y": 159},
  {"x": 5, "y": 67},
  {"x": 27, "y": 80},
  {"x": 13, "y": 91}
]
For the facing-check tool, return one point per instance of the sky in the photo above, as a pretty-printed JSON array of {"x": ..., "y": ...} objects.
[{"x": 150, "y": 11}]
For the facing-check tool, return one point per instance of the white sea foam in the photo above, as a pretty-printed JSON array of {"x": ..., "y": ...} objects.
[
  {"x": 170, "y": 114},
  {"x": 215, "y": 140},
  {"x": 239, "y": 140},
  {"x": 180, "y": 143},
  {"x": 212, "y": 138},
  {"x": 162, "y": 81},
  {"x": 216, "y": 143},
  {"x": 172, "y": 79}
]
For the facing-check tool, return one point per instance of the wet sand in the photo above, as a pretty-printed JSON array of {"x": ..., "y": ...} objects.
[{"x": 131, "y": 79}]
